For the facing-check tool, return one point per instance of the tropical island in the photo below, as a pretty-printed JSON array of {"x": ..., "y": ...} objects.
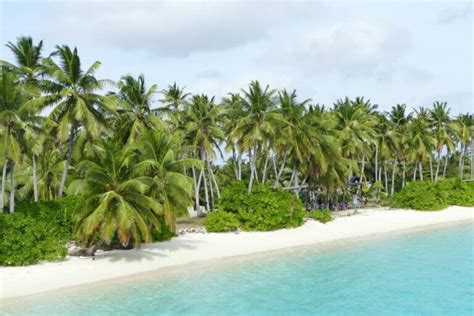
[{"x": 139, "y": 178}]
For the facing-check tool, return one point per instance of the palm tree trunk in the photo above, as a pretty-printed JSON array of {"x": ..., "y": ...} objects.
[
  {"x": 12, "y": 187},
  {"x": 385, "y": 176},
  {"x": 392, "y": 189},
  {"x": 239, "y": 165},
  {"x": 445, "y": 165},
  {"x": 380, "y": 173},
  {"x": 264, "y": 175},
  {"x": 211, "y": 189},
  {"x": 251, "y": 171},
  {"x": 296, "y": 182},
  {"x": 206, "y": 193},
  {"x": 282, "y": 166},
  {"x": 431, "y": 168},
  {"x": 403, "y": 173},
  {"x": 376, "y": 161},
  {"x": 461, "y": 163},
  {"x": 234, "y": 158},
  {"x": 213, "y": 178},
  {"x": 362, "y": 169},
  {"x": 274, "y": 166},
  {"x": 414, "y": 172},
  {"x": 197, "y": 191},
  {"x": 68, "y": 161},
  {"x": 421, "y": 170},
  {"x": 35, "y": 180},
  {"x": 195, "y": 188},
  {"x": 255, "y": 164},
  {"x": 4, "y": 181},
  {"x": 293, "y": 173},
  {"x": 437, "y": 165}
]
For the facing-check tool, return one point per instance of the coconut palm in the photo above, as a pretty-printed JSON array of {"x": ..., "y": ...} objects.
[
  {"x": 134, "y": 108},
  {"x": 28, "y": 59},
  {"x": 155, "y": 157},
  {"x": 174, "y": 97},
  {"x": 258, "y": 124},
  {"x": 295, "y": 137},
  {"x": 420, "y": 140},
  {"x": 233, "y": 104},
  {"x": 324, "y": 164},
  {"x": 12, "y": 102},
  {"x": 355, "y": 129},
  {"x": 73, "y": 92},
  {"x": 439, "y": 118},
  {"x": 463, "y": 128},
  {"x": 400, "y": 120},
  {"x": 203, "y": 122},
  {"x": 116, "y": 203}
]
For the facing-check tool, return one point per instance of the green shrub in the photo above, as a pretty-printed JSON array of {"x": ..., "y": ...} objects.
[
  {"x": 220, "y": 221},
  {"x": 263, "y": 209},
  {"x": 323, "y": 216},
  {"x": 25, "y": 240},
  {"x": 457, "y": 191},
  {"x": 36, "y": 231},
  {"x": 433, "y": 196},
  {"x": 164, "y": 233}
]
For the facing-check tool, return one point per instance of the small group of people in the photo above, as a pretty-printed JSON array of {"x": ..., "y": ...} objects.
[{"x": 340, "y": 200}]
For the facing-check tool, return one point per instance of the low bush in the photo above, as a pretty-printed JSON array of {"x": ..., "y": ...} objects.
[
  {"x": 323, "y": 216},
  {"x": 163, "y": 234},
  {"x": 221, "y": 221},
  {"x": 433, "y": 196},
  {"x": 36, "y": 232},
  {"x": 457, "y": 191},
  {"x": 263, "y": 209}
]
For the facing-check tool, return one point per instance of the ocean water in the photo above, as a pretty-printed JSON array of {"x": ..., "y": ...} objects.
[{"x": 418, "y": 273}]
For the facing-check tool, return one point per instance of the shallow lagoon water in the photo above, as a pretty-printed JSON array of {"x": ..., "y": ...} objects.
[{"x": 427, "y": 273}]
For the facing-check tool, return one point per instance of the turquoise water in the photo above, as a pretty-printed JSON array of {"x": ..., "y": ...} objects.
[{"x": 423, "y": 273}]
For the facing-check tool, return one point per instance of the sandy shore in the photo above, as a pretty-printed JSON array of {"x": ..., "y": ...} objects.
[{"x": 18, "y": 281}]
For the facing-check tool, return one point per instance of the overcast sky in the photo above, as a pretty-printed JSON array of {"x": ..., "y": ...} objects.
[{"x": 392, "y": 52}]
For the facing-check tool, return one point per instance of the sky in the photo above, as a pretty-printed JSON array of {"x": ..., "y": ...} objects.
[{"x": 412, "y": 52}]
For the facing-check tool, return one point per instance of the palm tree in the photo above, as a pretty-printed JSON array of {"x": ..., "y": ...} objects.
[
  {"x": 257, "y": 125},
  {"x": 355, "y": 129},
  {"x": 439, "y": 118},
  {"x": 420, "y": 140},
  {"x": 174, "y": 100},
  {"x": 174, "y": 97},
  {"x": 324, "y": 164},
  {"x": 28, "y": 57},
  {"x": 400, "y": 120},
  {"x": 295, "y": 137},
  {"x": 233, "y": 110},
  {"x": 115, "y": 201},
  {"x": 463, "y": 128},
  {"x": 134, "y": 108},
  {"x": 30, "y": 72},
  {"x": 76, "y": 102},
  {"x": 203, "y": 121},
  {"x": 12, "y": 101},
  {"x": 155, "y": 157}
]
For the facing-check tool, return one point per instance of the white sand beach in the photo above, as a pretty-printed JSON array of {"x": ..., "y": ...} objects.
[{"x": 195, "y": 247}]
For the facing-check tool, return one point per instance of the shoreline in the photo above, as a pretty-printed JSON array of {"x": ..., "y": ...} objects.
[{"x": 180, "y": 252}]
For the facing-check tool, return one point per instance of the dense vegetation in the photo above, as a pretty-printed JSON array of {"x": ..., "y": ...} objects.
[
  {"x": 37, "y": 231},
  {"x": 426, "y": 195},
  {"x": 323, "y": 216},
  {"x": 265, "y": 208},
  {"x": 136, "y": 156}
]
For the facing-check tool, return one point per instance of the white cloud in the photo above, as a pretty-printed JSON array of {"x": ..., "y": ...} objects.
[
  {"x": 462, "y": 11},
  {"x": 169, "y": 28}
]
